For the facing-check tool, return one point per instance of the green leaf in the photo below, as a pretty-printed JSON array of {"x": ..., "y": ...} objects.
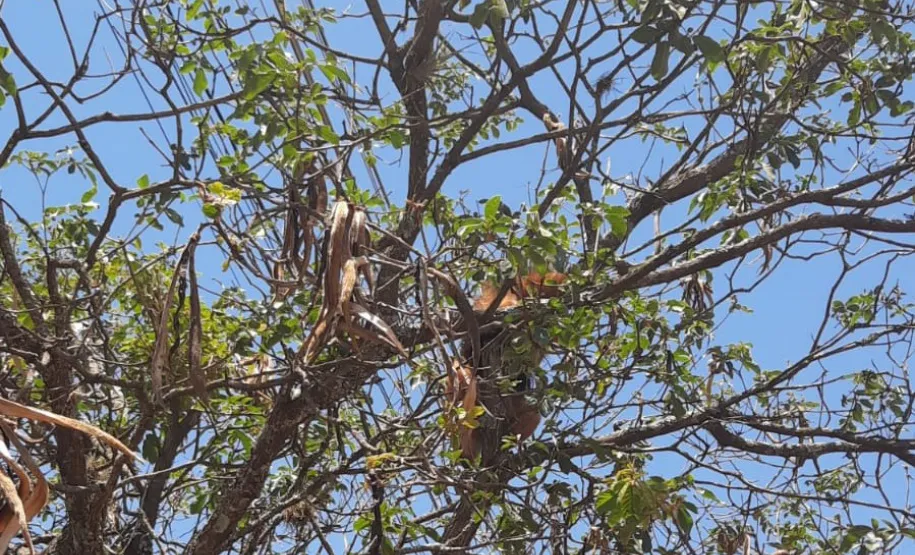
[
  {"x": 333, "y": 73},
  {"x": 792, "y": 156},
  {"x": 7, "y": 81},
  {"x": 498, "y": 11},
  {"x": 774, "y": 160},
  {"x": 194, "y": 9},
  {"x": 258, "y": 84},
  {"x": 885, "y": 81},
  {"x": 468, "y": 227},
  {"x": 854, "y": 115},
  {"x": 681, "y": 43},
  {"x": 150, "y": 448},
  {"x": 763, "y": 58},
  {"x": 174, "y": 216},
  {"x": 708, "y": 494},
  {"x": 89, "y": 195},
  {"x": 646, "y": 34},
  {"x": 881, "y": 29},
  {"x": 188, "y": 67},
  {"x": 833, "y": 88},
  {"x": 480, "y": 12},
  {"x": 197, "y": 506},
  {"x": 326, "y": 133},
  {"x": 396, "y": 137},
  {"x": 651, "y": 10},
  {"x": 143, "y": 182},
  {"x": 870, "y": 103},
  {"x": 659, "y": 63},
  {"x": 709, "y": 48},
  {"x": 618, "y": 218},
  {"x": 606, "y": 502},
  {"x": 491, "y": 208},
  {"x": 200, "y": 82},
  {"x": 684, "y": 520},
  {"x": 544, "y": 245},
  {"x": 901, "y": 108},
  {"x": 211, "y": 211}
]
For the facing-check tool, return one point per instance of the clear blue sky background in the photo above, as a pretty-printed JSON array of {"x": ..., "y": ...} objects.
[{"x": 787, "y": 307}]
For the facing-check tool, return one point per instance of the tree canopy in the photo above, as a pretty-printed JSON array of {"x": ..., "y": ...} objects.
[{"x": 239, "y": 241}]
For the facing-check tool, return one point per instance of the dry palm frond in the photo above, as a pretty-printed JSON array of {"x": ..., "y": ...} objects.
[
  {"x": 24, "y": 502},
  {"x": 13, "y": 516},
  {"x": 33, "y": 500},
  {"x": 195, "y": 334},
  {"x": 160, "y": 357},
  {"x": 12, "y": 409}
]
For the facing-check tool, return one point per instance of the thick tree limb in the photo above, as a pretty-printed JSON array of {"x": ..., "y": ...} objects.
[
  {"x": 803, "y": 451},
  {"x": 323, "y": 389}
]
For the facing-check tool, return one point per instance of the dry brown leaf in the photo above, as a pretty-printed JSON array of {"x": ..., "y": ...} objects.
[
  {"x": 159, "y": 360},
  {"x": 351, "y": 271},
  {"x": 317, "y": 194},
  {"x": 350, "y": 276},
  {"x": 308, "y": 241},
  {"x": 461, "y": 388},
  {"x": 286, "y": 254},
  {"x": 355, "y": 332},
  {"x": 334, "y": 259},
  {"x": 388, "y": 333},
  {"x": 470, "y": 389},
  {"x": 13, "y": 517},
  {"x": 359, "y": 241},
  {"x": 33, "y": 499},
  {"x": 338, "y": 252},
  {"x": 358, "y": 232},
  {"x": 560, "y": 142},
  {"x": 195, "y": 334},
  {"x": 347, "y": 236},
  {"x": 290, "y": 233},
  {"x": 38, "y": 499},
  {"x": 298, "y": 222},
  {"x": 18, "y": 519},
  {"x": 15, "y": 410},
  {"x": 279, "y": 290},
  {"x": 469, "y": 444}
]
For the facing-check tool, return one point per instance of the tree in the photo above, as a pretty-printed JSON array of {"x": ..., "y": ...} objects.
[{"x": 234, "y": 237}]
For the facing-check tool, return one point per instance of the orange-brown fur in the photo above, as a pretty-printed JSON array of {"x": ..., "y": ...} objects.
[
  {"x": 532, "y": 285},
  {"x": 461, "y": 384}
]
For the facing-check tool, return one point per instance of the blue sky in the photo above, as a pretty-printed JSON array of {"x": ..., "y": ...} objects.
[{"x": 787, "y": 307}]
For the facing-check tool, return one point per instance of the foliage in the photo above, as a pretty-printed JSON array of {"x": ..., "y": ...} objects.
[{"x": 240, "y": 238}]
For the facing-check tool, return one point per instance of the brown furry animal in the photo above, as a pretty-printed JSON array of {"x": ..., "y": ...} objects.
[{"x": 505, "y": 412}]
